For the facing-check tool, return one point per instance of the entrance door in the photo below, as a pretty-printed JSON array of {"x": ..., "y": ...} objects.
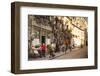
[{"x": 43, "y": 39}]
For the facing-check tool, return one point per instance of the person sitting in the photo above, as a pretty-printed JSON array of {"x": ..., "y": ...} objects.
[{"x": 43, "y": 48}]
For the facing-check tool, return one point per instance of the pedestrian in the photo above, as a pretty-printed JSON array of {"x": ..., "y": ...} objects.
[
  {"x": 50, "y": 51},
  {"x": 69, "y": 45},
  {"x": 66, "y": 44},
  {"x": 43, "y": 48},
  {"x": 64, "y": 48},
  {"x": 72, "y": 43}
]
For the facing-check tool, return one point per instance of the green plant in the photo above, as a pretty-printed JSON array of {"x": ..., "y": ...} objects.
[{"x": 37, "y": 46}]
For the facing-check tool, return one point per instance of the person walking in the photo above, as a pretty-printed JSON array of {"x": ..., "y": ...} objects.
[
  {"x": 50, "y": 51},
  {"x": 64, "y": 48},
  {"x": 66, "y": 44},
  {"x": 69, "y": 45}
]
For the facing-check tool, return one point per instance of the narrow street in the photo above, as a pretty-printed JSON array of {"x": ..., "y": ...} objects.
[
  {"x": 55, "y": 32},
  {"x": 75, "y": 53}
]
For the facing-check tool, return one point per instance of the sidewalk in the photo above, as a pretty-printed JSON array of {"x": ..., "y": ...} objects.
[{"x": 57, "y": 55}]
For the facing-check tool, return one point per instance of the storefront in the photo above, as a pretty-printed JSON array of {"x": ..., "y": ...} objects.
[{"x": 41, "y": 34}]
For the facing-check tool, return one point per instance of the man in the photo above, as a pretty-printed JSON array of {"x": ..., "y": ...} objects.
[{"x": 43, "y": 47}]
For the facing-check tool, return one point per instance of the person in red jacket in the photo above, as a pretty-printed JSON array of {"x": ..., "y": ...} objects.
[{"x": 43, "y": 48}]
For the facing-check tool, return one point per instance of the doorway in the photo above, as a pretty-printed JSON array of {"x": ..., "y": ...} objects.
[{"x": 43, "y": 39}]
